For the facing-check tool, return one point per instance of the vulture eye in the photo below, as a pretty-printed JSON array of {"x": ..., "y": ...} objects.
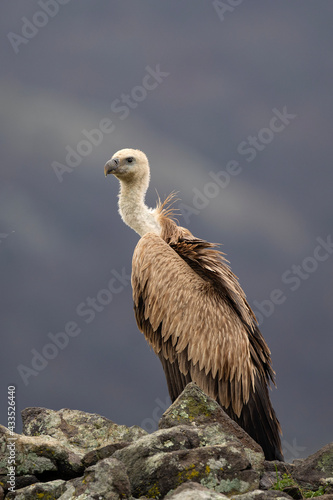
[{"x": 130, "y": 159}]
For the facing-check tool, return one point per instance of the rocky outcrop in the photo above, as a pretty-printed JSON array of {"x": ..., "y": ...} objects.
[
  {"x": 197, "y": 453},
  {"x": 316, "y": 469}
]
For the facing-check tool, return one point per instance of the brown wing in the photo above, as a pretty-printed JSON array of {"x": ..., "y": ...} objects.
[
  {"x": 195, "y": 326},
  {"x": 201, "y": 330}
]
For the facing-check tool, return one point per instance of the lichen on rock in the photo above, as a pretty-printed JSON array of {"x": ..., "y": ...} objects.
[{"x": 198, "y": 453}]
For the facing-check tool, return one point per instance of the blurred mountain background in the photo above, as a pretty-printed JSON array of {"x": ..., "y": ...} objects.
[{"x": 196, "y": 86}]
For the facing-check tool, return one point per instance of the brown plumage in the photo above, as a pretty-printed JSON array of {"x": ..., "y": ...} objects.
[{"x": 193, "y": 312}]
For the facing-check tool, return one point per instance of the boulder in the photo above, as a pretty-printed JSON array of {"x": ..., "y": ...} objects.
[
  {"x": 169, "y": 457},
  {"x": 94, "y": 456},
  {"x": 194, "y": 491},
  {"x": 77, "y": 429},
  {"x": 316, "y": 470},
  {"x": 107, "y": 480},
  {"x": 198, "y": 453},
  {"x": 263, "y": 495},
  {"x": 274, "y": 470},
  {"x": 49, "y": 490},
  {"x": 40, "y": 456},
  {"x": 59, "y": 445},
  {"x": 194, "y": 407}
]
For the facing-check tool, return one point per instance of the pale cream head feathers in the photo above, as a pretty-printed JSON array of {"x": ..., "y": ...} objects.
[
  {"x": 131, "y": 168},
  {"x": 128, "y": 165}
]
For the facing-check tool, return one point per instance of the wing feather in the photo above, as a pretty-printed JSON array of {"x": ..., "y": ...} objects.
[
  {"x": 194, "y": 314},
  {"x": 190, "y": 317}
]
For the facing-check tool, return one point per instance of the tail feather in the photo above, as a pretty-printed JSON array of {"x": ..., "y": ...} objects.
[{"x": 258, "y": 419}]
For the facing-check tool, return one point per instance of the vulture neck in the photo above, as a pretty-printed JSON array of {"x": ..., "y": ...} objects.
[{"x": 134, "y": 211}]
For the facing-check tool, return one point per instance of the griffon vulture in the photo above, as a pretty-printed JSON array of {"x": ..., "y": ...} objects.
[{"x": 193, "y": 312}]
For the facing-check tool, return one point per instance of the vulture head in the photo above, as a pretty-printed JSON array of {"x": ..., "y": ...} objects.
[{"x": 129, "y": 166}]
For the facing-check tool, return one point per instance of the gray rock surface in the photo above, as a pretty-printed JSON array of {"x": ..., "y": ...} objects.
[
  {"x": 86, "y": 431},
  {"x": 317, "y": 469},
  {"x": 169, "y": 457},
  {"x": 50, "y": 490},
  {"x": 107, "y": 480},
  {"x": 263, "y": 495},
  {"x": 194, "y": 407},
  {"x": 198, "y": 453},
  {"x": 196, "y": 442},
  {"x": 272, "y": 471},
  {"x": 39, "y": 455},
  {"x": 194, "y": 491}
]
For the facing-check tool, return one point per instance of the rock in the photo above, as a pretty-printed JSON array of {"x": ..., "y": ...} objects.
[
  {"x": 169, "y": 457},
  {"x": 20, "y": 481},
  {"x": 194, "y": 491},
  {"x": 107, "y": 480},
  {"x": 41, "y": 456},
  {"x": 314, "y": 470},
  {"x": 198, "y": 453},
  {"x": 194, "y": 407},
  {"x": 304, "y": 478},
  {"x": 86, "y": 431},
  {"x": 267, "y": 480},
  {"x": 60, "y": 445},
  {"x": 281, "y": 467},
  {"x": 92, "y": 457},
  {"x": 262, "y": 495},
  {"x": 51, "y": 490},
  {"x": 273, "y": 472}
]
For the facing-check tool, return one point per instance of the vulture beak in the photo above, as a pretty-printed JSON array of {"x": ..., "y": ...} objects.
[{"x": 111, "y": 166}]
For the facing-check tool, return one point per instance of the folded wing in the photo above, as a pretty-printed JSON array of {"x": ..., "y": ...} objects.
[{"x": 194, "y": 314}]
